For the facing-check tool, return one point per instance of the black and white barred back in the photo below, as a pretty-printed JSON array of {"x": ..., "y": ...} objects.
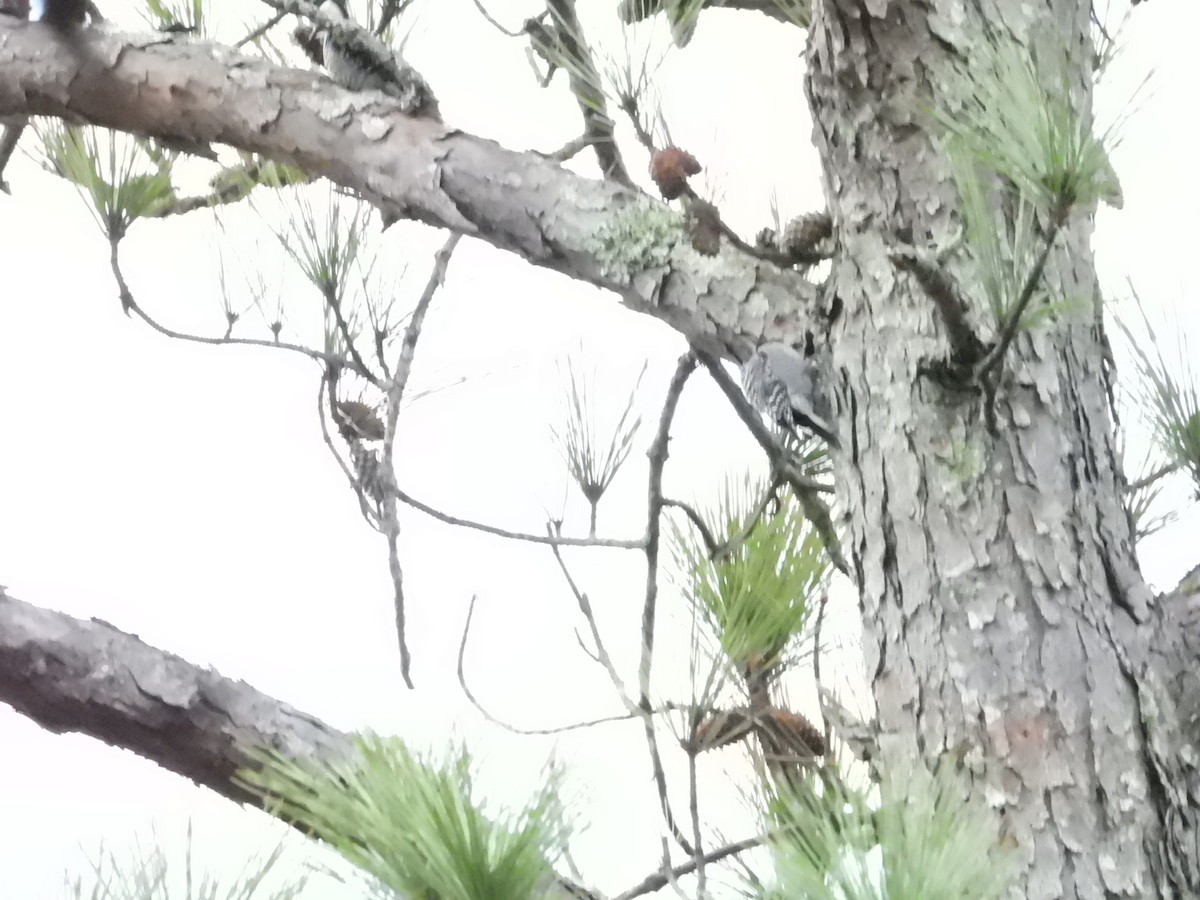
[
  {"x": 788, "y": 387},
  {"x": 359, "y": 61}
]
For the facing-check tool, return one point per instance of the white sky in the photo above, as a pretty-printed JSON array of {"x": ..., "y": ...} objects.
[{"x": 183, "y": 493}]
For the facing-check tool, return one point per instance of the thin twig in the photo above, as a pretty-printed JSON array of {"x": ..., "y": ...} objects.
[
  {"x": 585, "y": 607},
  {"x": 260, "y": 30},
  {"x": 483, "y": 12},
  {"x": 403, "y": 368},
  {"x": 751, "y": 523},
  {"x": 585, "y": 81},
  {"x": 569, "y": 150},
  {"x": 658, "y": 458},
  {"x": 335, "y": 304},
  {"x": 706, "y": 535},
  {"x": 817, "y": 627},
  {"x": 553, "y": 540},
  {"x": 658, "y": 880},
  {"x": 561, "y": 729},
  {"x": 697, "y": 836},
  {"x": 806, "y": 489},
  {"x": 129, "y": 305},
  {"x": 996, "y": 354},
  {"x": 1147, "y": 480},
  {"x": 391, "y": 10}
]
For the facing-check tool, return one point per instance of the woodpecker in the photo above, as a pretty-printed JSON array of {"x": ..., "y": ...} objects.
[
  {"x": 359, "y": 61},
  {"x": 789, "y": 388}
]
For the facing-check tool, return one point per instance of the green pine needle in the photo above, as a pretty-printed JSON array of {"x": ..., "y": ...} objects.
[
  {"x": 920, "y": 837},
  {"x": 1017, "y": 114},
  {"x": 415, "y": 824},
  {"x": 150, "y": 875},
  {"x": 117, "y": 176},
  {"x": 1168, "y": 395},
  {"x": 180, "y": 15},
  {"x": 758, "y": 594}
]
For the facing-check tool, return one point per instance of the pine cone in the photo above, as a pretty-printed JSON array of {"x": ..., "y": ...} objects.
[
  {"x": 356, "y": 421},
  {"x": 670, "y": 169}
]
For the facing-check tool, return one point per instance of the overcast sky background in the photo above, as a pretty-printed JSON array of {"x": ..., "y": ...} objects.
[{"x": 183, "y": 493}]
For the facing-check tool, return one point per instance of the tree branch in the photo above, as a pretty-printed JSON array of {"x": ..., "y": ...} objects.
[
  {"x": 408, "y": 167},
  {"x": 85, "y": 676},
  {"x": 660, "y": 880},
  {"x": 658, "y": 460}
]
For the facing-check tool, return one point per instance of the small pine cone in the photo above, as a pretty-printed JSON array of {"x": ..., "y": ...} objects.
[
  {"x": 358, "y": 421},
  {"x": 767, "y": 239},
  {"x": 670, "y": 169},
  {"x": 802, "y": 234},
  {"x": 791, "y": 734},
  {"x": 719, "y": 728},
  {"x": 704, "y": 227}
]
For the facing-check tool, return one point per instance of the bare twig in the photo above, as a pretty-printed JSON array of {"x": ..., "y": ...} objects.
[
  {"x": 130, "y": 305},
  {"x": 706, "y": 535},
  {"x": 585, "y": 81},
  {"x": 262, "y": 29},
  {"x": 738, "y": 539},
  {"x": 697, "y": 834},
  {"x": 658, "y": 458},
  {"x": 1147, "y": 480},
  {"x": 658, "y": 880},
  {"x": 561, "y": 729},
  {"x": 554, "y": 540},
  {"x": 488, "y": 16},
  {"x": 403, "y": 368},
  {"x": 602, "y": 657},
  {"x": 391, "y": 10},
  {"x": 335, "y": 305},
  {"x": 817, "y": 627},
  {"x": 570, "y": 149}
]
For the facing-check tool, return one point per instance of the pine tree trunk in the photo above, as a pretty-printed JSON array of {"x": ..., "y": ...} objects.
[{"x": 1003, "y": 610}]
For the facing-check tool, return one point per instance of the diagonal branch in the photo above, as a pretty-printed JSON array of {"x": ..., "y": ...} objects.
[
  {"x": 586, "y": 86},
  {"x": 85, "y": 676},
  {"x": 410, "y": 167},
  {"x": 658, "y": 460},
  {"x": 390, "y": 521},
  {"x": 807, "y": 490},
  {"x": 130, "y": 305}
]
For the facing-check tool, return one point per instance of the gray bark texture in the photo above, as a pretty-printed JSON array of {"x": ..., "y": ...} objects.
[
  {"x": 1004, "y": 613},
  {"x": 76, "y": 675}
]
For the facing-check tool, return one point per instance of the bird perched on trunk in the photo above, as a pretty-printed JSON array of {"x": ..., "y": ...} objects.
[
  {"x": 359, "y": 61},
  {"x": 790, "y": 389}
]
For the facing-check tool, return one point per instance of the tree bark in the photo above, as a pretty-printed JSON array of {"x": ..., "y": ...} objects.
[
  {"x": 594, "y": 231},
  {"x": 1003, "y": 609},
  {"x": 69, "y": 674},
  {"x": 1004, "y": 613}
]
